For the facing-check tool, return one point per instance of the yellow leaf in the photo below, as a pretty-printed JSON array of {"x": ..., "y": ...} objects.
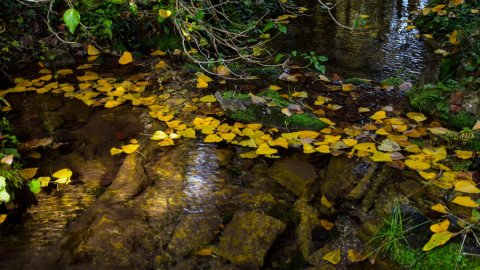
[
  {"x": 326, "y": 202},
  {"x": 126, "y": 58},
  {"x": 418, "y": 117},
  {"x": 326, "y": 224},
  {"x": 333, "y": 256},
  {"x": 327, "y": 121},
  {"x": 440, "y": 208},
  {"x": 466, "y": 186},
  {"x": 187, "y": 133},
  {"x": 429, "y": 36},
  {"x": 161, "y": 65},
  {"x": 204, "y": 252},
  {"x": 465, "y": 201},
  {"x": 264, "y": 149},
  {"x": 28, "y": 173},
  {"x": 348, "y": 87},
  {"x": 354, "y": 256},
  {"x": 440, "y": 227},
  {"x": 441, "y": 51},
  {"x": 202, "y": 80},
  {"x": 417, "y": 165},
  {"x": 410, "y": 27},
  {"x": 92, "y": 50},
  {"x": 164, "y": 13},
  {"x": 159, "y": 135},
  {"x": 379, "y": 115},
  {"x": 63, "y": 173},
  {"x": 308, "y": 134},
  {"x": 158, "y": 53},
  {"x": 436, "y": 153},
  {"x": 282, "y": 142},
  {"x": 308, "y": 148},
  {"x": 325, "y": 149},
  {"x": 166, "y": 142},
  {"x": 438, "y": 239},
  {"x": 274, "y": 88},
  {"x": 64, "y": 71},
  {"x": 350, "y": 142},
  {"x": 130, "y": 148},
  {"x": 413, "y": 148},
  {"x": 367, "y": 147},
  {"x": 302, "y": 94},
  {"x": 427, "y": 175},
  {"x": 44, "y": 180},
  {"x": 453, "y": 37},
  {"x": 3, "y": 217},
  {"x": 208, "y": 98},
  {"x": 46, "y": 77},
  {"x": 213, "y": 138},
  {"x": 464, "y": 154},
  {"x": 363, "y": 109},
  {"x": 381, "y": 157},
  {"x": 227, "y": 136},
  {"x": 115, "y": 151},
  {"x": 251, "y": 154}
]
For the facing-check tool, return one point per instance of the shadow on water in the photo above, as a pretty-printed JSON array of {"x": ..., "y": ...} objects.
[{"x": 384, "y": 48}]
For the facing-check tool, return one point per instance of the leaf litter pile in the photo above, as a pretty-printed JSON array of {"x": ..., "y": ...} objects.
[{"x": 400, "y": 140}]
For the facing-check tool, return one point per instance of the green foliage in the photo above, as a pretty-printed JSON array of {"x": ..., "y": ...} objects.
[
  {"x": 393, "y": 81},
  {"x": 462, "y": 120},
  {"x": 71, "y": 17},
  {"x": 305, "y": 121}
]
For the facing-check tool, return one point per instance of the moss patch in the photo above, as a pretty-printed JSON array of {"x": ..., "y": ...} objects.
[{"x": 269, "y": 116}]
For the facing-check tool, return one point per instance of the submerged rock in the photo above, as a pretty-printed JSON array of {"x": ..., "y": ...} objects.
[
  {"x": 193, "y": 232},
  {"x": 247, "y": 238},
  {"x": 295, "y": 175}
]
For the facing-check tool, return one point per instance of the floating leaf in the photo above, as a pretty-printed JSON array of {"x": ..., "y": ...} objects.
[
  {"x": 28, "y": 173},
  {"x": 427, "y": 175},
  {"x": 115, "y": 151},
  {"x": 333, "y": 256},
  {"x": 187, "y": 133},
  {"x": 91, "y": 50},
  {"x": 440, "y": 208},
  {"x": 381, "y": 157},
  {"x": 465, "y": 201},
  {"x": 159, "y": 135},
  {"x": 388, "y": 145},
  {"x": 126, "y": 58},
  {"x": 466, "y": 186},
  {"x": 213, "y": 138},
  {"x": 274, "y": 88},
  {"x": 264, "y": 149},
  {"x": 63, "y": 173},
  {"x": 130, "y": 148},
  {"x": 367, "y": 147},
  {"x": 440, "y": 227},
  {"x": 438, "y": 239}
]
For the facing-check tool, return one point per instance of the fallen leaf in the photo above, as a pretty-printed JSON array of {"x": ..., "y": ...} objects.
[
  {"x": 465, "y": 201},
  {"x": 464, "y": 154},
  {"x": 264, "y": 149},
  {"x": 348, "y": 87},
  {"x": 466, "y": 186},
  {"x": 333, "y": 256},
  {"x": 130, "y": 148},
  {"x": 354, "y": 256},
  {"x": 326, "y": 224},
  {"x": 158, "y": 135},
  {"x": 3, "y": 217},
  {"x": 91, "y": 50},
  {"x": 204, "y": 252},
  {"x": 213, "y": 138},
  {"x": 208, "y": 98},
  {"x": 28, "y": 173},
  {"x": 417, "y": 165},
  {"x": 115, "y": 151},
  {"x": 440, "y": 227},
  {"x": 125, "y": 58},
  {"x": 164, "y": 13},
  {"x": 440, "y": 208},
  {"x": 63, "y": 173},
  {"x": 326, "y": 202},
  {"x": 379, "y": 115},
  {"x": 438, "y": 239},
  {"x": 367, "y": 147},
  {"x": 418, "y": 117}
]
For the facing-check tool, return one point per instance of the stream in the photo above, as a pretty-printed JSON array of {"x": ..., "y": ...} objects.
[{"x": 171, "y": 208}]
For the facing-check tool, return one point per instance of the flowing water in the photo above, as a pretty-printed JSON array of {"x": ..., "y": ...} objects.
[{"x": 381, "y": 49}]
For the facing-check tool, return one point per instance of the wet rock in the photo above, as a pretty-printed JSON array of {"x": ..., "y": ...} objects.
[
  {"x": 344, "y": 174},
  {"x": 296, "y": 176},
  {"x": 308, "y": 221},
  {"x": 62, "y": 58},
  {"x": 225, "y": 157},
  {"x": 471, "y": 103},
  {"x": 193, "y": 232},
  {"x": 247, "y": 238}
]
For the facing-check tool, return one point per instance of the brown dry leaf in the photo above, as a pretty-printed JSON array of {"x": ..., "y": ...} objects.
[
  {"x": 326, "y": 224},
  {"x": 28, "y": 173}
]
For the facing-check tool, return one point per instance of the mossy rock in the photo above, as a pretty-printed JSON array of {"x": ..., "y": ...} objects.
[{"x": 240, "y": 107}]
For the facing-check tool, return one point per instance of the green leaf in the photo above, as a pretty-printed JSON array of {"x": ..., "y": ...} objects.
[
  {"x": 475, "y": 215},
  {"x": 4, "y": 196},
  {"x": 438, "y": 239},
  {"x": 282, "y": 28},
  {"x": 278, "y": 57},
  {"x": 199, "y": 15},
  {"x": 268, "y": 26},
  {"x": 72, "y": 19},
  {"x": 35, "y": 186}
]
